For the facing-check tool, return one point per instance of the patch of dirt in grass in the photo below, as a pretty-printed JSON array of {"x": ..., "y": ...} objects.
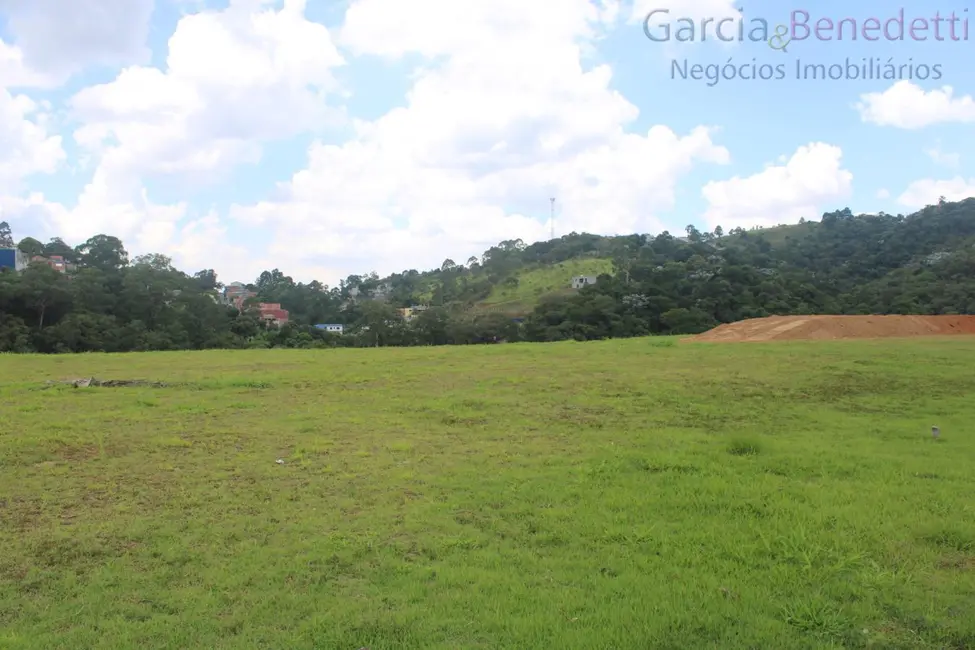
[
  {"x": 957, "y": 562},
  {"x": 20, "y": 514},
  {"x": 88, "y": 382},
  {"x": 77, "y": 453}
]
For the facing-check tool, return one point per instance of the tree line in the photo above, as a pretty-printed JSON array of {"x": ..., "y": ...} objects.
[{"x": 922, "y": 263}]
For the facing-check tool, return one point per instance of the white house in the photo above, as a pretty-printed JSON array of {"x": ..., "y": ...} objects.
[{"x": 581, "y": 281}]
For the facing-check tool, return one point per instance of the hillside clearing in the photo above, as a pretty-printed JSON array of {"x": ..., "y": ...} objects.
[
  {"x": 621, "y": 494},
  {"x": 532, "y": 285}
]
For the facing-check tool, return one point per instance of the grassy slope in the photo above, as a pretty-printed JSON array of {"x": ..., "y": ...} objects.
[
  {"x": 623, "y": 494},
  {"x": 534, "y": 283},
  {"x": 776, "y": 235}
]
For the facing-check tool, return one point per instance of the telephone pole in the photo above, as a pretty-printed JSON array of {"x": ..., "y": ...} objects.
[{"x": 552, "y": 216}]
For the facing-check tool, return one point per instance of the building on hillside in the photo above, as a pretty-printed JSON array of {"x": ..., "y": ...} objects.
[
  {"x": 409, "y": 313},
  {"x": 581, "y": 281},
  {"x": 13, "y": 259},
  {"x": 236, "y": 293},
  {"x": 56, "y": 262},
  {"x": 272, "y": 314},
  {"x": 382, "y": 291},
  {"x": 239, "y": 299},
  {"x": 331, "y": 328}
]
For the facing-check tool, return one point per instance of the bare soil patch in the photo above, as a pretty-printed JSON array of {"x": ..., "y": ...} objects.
[
  {"x": 88, "y": 382},
  {"x": 795, "y": 328}
]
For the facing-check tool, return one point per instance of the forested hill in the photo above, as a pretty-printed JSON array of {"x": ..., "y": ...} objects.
[{"x": 921, "y": 263}]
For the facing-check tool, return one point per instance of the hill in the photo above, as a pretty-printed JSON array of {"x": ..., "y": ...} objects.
[
  {"x": 923, "y": 263},
  {"x": 522, "y": 291}
]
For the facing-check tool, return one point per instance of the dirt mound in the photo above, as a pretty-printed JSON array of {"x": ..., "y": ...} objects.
[{"x": 795, "y": 328}]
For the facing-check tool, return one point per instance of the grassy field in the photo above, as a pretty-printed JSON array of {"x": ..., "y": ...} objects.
[
  {"x": 624, "y": 494},
  {"x": 533, "y": 284}
]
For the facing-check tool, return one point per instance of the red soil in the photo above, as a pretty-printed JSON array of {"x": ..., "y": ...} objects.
[{"x": 794, "y": 328}]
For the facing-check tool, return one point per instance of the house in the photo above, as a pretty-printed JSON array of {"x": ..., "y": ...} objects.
[
  {"x": 409, "y": 313},
  {"x": 331, "y": 328},
  {"x": 236, "y": 293},
  {"x": 272, "y": 314},
  {"x": 581, "y": 281},
  {"x": 14, "y": 259},
  {"x": 382, "y": 291},
  {"x": 238, "y": 300},
  {"x": 56, "y": 262}
]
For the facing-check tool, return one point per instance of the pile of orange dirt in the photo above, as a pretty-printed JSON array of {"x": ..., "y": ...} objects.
[{"x": 795, "y": 328}]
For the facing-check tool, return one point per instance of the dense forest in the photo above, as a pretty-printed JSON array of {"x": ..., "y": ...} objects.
[{"x": 923, "y": 263}]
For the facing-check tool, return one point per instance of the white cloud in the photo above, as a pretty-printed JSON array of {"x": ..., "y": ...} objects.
[
  {"x": 59, "y": 38},
  {"x": 927, "y": 191},
  {"x": 27, "y": 145},
  {"x": 943, "y": 158},
  {"x": 203, "y": 244},
  {"x": 883, "y": 194},
  {"x": 233, "y": 80},
  {"x": 813, "y": 177},
  {"x": 14, "y": 73},
  {"x": 488, "y": 134},
  {"x": 443, "y": 27},
  {"x": 504, "y": 111},
  {"x": 905, "y": 105}
]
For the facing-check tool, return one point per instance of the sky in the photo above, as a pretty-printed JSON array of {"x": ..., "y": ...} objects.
[{"x": 329, "y": 137}]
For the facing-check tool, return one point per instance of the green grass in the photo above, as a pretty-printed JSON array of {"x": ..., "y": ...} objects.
[
  {"x": 778, "y": 235},
  {"x": 622, "y": 494},
  {"x": 535, "y": 283}
]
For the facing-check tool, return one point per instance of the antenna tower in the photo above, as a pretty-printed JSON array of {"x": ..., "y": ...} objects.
[{"x": 552, "y": 216}]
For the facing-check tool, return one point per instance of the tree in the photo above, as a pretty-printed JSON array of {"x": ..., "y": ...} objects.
[
  {"x": 31, "y": 247},
  {"x": 379, "y": 323},
  {"x": 919, "y": 263},
  {"x": 432, "y": 326},
  {"x": 42, "y": 289},
  {"x": 57, "y": 247},
  {"x": 156, "y": 262},
  {"x": 103, "y": 252},
  {"x": 6, "y": 236},
  {"x": 207, "y": 280}
]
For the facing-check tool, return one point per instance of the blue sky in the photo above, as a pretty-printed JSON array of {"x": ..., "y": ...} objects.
[{"x": 336, "y": 138}]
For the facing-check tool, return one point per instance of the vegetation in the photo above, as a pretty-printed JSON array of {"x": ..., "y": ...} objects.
[
  {"x": 618, "y": 494},
  {"x": 845, "y": 264},
  {"x": 522, "y": 290}
]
